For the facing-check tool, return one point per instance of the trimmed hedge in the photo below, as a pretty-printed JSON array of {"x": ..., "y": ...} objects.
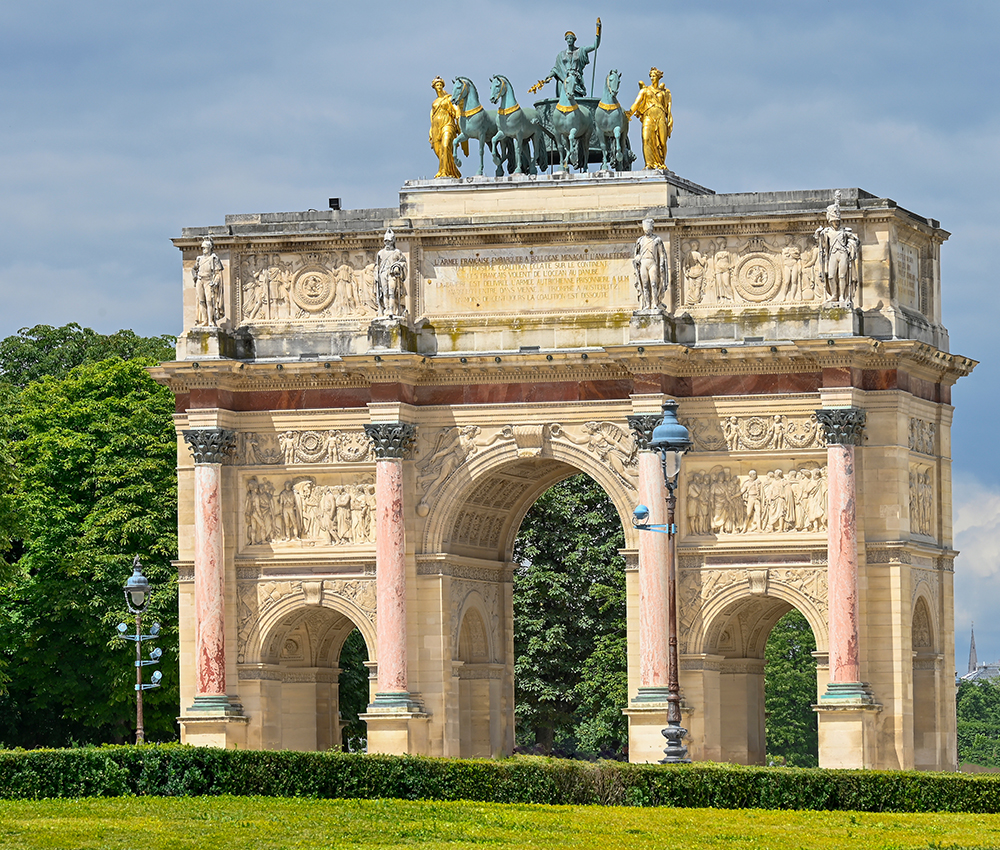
[{"x": 175, "y": 770}]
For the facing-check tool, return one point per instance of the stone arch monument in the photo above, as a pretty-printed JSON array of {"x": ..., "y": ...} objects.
[{"x": 381, "y": 395}]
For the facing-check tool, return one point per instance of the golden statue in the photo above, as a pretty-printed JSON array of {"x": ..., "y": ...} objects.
[
  {"x": 652, "y": 106},
  {"x": 444, "y": 129}
]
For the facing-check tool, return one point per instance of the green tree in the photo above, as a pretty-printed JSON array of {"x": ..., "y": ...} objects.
[
  {"x": 790, "y": 692},
  {"x": 45, "y": 351},
  {"x": 95, "y": 454},
  {"x": 977, "y": 710},
  {"x": 353, "y": 690},
  {"x": 569, "y": 622}
]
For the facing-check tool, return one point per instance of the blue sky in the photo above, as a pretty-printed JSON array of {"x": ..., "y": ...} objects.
[{"x": 122, "y": 122}]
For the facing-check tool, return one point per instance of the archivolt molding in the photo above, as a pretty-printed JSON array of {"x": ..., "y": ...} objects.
[
  {"x": 925, "y": 583},
  {"x": 448, "y": 502},
  {"x": 278, "y": 601},
  {"x": 704, "y": 595}
]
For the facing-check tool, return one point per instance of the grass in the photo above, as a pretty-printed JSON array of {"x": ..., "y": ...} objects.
[{"x": 255, "y": 823}]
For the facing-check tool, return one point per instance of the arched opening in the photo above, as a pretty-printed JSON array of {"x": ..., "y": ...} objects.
[
  {"x": 926, "y": 740},
  {"x": 314, "y": 682},
  {"x": 569, "y": 605},
  {"x": 764, "y": 674}
]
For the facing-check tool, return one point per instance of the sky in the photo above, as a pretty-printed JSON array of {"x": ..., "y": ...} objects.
[{"x": 122, "y": 122}]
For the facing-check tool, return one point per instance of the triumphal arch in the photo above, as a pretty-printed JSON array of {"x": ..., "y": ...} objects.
[{"x": 368, "y": 402}]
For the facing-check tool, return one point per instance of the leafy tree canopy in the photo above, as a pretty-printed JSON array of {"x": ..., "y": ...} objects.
[
  {"x": 92, "y": 483},
  {"x": 789, "y": 693},
  {"x": 978, "y": 715},
  {"x": 569, "y": 623}
]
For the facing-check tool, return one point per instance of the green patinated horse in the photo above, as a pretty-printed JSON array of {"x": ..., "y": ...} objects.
[
  {"x": 520, "y": 124},
  {"x": 611, "y": 123},
  {"x": 573, "y": 125},
  {"x": 474, "y": 122}
]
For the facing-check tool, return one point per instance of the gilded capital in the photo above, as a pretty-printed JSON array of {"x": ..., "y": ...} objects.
[
  {"x": 391, "y": 439},
  {"x": 211, "y": 445},
  {"x": 843, "y": 426},
  {"x": 642, "y": 426}
]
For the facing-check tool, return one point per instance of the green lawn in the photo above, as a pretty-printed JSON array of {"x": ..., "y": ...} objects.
[{"x": 254, "y": 823}]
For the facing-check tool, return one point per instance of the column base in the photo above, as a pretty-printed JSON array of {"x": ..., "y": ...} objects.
[
  {"x": 647, "y": 731},
  {"x": 848, "y": 729},
  {"x": 215, "y": 704},
  {"x": 397, "y": 724},
  {"x": 214, "y": 730}
]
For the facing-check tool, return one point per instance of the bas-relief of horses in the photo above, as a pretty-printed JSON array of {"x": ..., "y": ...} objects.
[
  {"x": 520, "y": 124},
  {"x": 573, "y": 125},
  {"x": 611, "y": 122},
  {"x": 474, "y": 122}
]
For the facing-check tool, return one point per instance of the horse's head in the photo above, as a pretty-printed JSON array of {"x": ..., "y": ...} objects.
[
  {"x": 613, "y": 81},
  {"x": 498, "y": 87},
  {"x": 573, "y": 77},
  {"x": 460, "y": 91}
]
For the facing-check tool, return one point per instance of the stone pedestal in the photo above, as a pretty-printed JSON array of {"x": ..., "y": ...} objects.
[
  {"x": 838, "y": 320},
  {"x": 205, "y": 344},
  {"x": 657, "y": 326},
  {"x": 391, "y": 333},
  {"x": 848, "y": 735}
]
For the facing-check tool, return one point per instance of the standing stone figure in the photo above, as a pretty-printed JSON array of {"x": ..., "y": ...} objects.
[
  {"x": 444, "y": 129},
  {"x": 390, "y": 275},
  {"x": 650, "y": 263},
  {"x": 652, "y": 107},
  {"x": 838, "y": 249},
  {"x": 207, "y": 277}
]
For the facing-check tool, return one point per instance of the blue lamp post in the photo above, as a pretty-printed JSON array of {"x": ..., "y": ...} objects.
[
  {"x": 137, "y": 597},
  {"x": 670, "y": 440}
]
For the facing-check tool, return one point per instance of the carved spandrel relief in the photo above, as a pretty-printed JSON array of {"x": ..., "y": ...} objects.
[
  {"x": 721, "y": 502},
  {"x": 292, "y": 447},
  {"x": 922, "y": 500},
  {"x": 615, "y": 447},
  {"x": 922, "y": 436},
  {"x": 300, "y": 512},
  {"x": 452, "y": 447},
  {"x": 732, "y": 272},
  {"x": 755, "y": 433},
  {"x": 359, "y": 591},
  {"x": 306, "y": 285}
]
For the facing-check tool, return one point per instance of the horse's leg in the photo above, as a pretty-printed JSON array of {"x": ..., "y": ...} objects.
[
  {"x": 496, "y": 147},
  {"x": 520, "y": 144},
  {"x": 532, "y": 154},
  {"x": 461, "y": 137},
  {"x": 573, "y": 158},
  {"x": 603, "y": 139}
]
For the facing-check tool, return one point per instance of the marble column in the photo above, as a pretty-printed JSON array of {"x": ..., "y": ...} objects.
[
  {"x": 210, "y": 447},
  {"x": 844, "y": 428},
  {"x": 392, "y": 441},
  {"x": 653, "y": 568}
]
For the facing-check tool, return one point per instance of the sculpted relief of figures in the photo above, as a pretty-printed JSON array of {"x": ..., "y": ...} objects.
[
  {"x": 320, "y": 285},
  {"x": 727, "y": 271},
  {"x": 922, "y": 500},
  {"x": 721, "y": 502},
  {"x": 755, "y": 433},
  {"x": 299, "y": 511},
  {"x": 294, "y": 447},
  {"x": 922, "y": 436}
]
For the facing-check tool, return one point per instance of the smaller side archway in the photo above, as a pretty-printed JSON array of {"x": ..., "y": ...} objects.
[
  {"x": 926, "y": 672},
  {"x": 477, "y": 684}
]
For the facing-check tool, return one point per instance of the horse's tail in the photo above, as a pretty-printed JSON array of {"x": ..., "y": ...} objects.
[{"x": 542, "y": 151}]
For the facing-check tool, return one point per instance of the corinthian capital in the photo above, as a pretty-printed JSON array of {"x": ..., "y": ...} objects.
[
  {"x": 642, "y": 426},
  {"x": 842, "y": 426},
  {"x": 211, "y": 445},
  {"x": 391, "y": 439}
]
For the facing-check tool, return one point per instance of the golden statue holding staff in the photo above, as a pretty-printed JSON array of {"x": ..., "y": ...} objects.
[
  {"x": 652, "y": 107},
  {"x": 444, "y": 129}
]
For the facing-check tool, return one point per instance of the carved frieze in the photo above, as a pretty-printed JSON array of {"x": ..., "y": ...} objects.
[
  {"x": 291, "y": 447},
  {"x": 719, "y": 501},
  {"x": 922, "y": 499},
  {"x": 738, "y": 271},
  {"x": 922, "y": 436},
  {"x": 360, "y": 591},
  {"x": 305, "y": 511},
  {"x": 320, "y": 285},
  {"x": 756, "y": 433}
]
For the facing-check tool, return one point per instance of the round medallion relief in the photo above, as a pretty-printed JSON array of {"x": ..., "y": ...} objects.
[
  {"x": 757, "y": 278},
  {"x": 312, "y": 289}
]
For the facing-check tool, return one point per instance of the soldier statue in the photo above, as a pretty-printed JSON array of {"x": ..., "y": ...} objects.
[
  {"x": 650, "y": 263},
  {"x": 207, "y": 278},
  {"x": 390, "y": 275},
  {"x": 838, "y": 253}
]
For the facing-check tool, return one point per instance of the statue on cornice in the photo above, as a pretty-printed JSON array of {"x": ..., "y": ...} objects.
[
  {"x": 652, "y": 108},
  {"x": 390, "y": 276},
  {"x": 650, "y": 264},
  {"x": 444, "y": 129},
  {"x": 839, "y": 248},
  {"x": 207, "y": 279}
]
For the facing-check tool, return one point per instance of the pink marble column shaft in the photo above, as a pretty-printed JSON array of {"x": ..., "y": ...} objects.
[
  {"x": 209, "y": 582},
  {"x": 653, "y": 578},
  {"x": 843, "y": 564},
  {"x": 390, "y": 574}
]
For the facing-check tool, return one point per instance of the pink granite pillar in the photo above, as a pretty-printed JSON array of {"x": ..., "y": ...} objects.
[
  {"x": 653, "y": 578},
  {"x": 392, "y": 441},
  {"x": 209, "y": 447},
  {"x": 844, "y": 429}
]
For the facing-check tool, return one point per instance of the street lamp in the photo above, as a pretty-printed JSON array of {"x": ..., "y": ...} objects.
[
  {"x": 670, "y": 440},
  {"x": 137, "y": 596}
]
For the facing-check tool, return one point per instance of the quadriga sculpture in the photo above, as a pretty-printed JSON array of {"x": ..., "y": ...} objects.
[
  {"x": 573, "y": 125},
  {"x": 611, "y": 124},
  {"x": 519, "y": 124}
]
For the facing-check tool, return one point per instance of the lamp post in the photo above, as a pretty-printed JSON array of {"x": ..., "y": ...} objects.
[
  {"x": 670, "y": 440},
  {"x": 137, "y": 597}
]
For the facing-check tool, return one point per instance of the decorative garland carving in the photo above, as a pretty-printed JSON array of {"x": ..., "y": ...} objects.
[
  {"x": 756, "y": 433},
  {"x": 303, "y": 447}
]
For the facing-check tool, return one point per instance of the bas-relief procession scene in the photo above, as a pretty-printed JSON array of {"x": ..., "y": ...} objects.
[{"x": 370, "y": 400}]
